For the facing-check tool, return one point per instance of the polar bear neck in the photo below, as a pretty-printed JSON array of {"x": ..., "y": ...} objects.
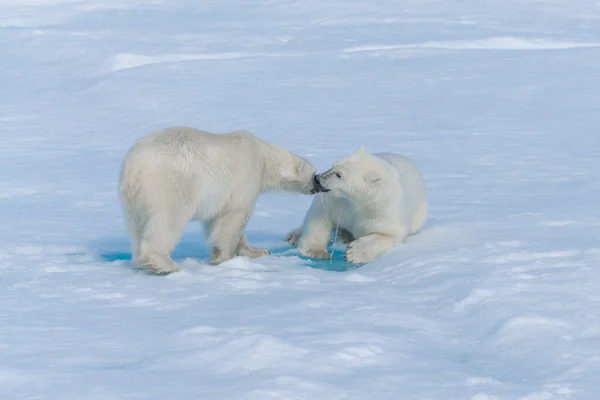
[{"x": 275, "y": 160}]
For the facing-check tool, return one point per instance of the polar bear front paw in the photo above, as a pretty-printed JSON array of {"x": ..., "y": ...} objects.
[
  {"x": 293, "y": 237},
  {"x": 314, "y": 253},
  {"x": 370, "y": 247},
  {"x": 363, "y": 250},
  {"x": 357, "y": 255}
]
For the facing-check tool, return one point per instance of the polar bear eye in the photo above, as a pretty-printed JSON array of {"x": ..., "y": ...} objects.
[{"x": 338, "y": 174}]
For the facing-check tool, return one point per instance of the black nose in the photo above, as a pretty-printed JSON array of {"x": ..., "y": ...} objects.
[
  {"x": 318, "y": 186},
  {"x": 315, "y": 188}
]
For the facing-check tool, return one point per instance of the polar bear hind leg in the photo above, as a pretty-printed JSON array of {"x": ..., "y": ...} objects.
[
  {"x": 158, "y": 238},
  {"x": 420, "y": 219}
]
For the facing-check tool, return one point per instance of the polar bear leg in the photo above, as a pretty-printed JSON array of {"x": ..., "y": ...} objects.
[
  {"x": 225, "y": 234},
  {"x": 293, "y": 236},
  {"x": 343, "y": 236},
  {"x": 315, "y": 238},
  {"x": 245, "y": 250},
  {"x": 159, "y": 237},
  {"x": 370, "y": 247},
  {"x": 135, "y": 239}
]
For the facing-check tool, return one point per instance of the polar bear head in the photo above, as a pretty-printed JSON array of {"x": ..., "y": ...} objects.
[
  {"x": 289, "y": 172},
  {"x": 356, "y": 177}
]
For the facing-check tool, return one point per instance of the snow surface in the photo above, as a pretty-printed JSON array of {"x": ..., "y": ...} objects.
[{"x": 496, "y": 101}]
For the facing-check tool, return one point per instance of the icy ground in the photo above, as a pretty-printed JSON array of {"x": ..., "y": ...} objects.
[{"x": 498, "y": 102}]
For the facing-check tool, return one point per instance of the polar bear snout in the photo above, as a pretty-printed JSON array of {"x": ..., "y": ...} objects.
[
  {"x": 318, "y": 186},
  {"x": 315, "y": 183}
]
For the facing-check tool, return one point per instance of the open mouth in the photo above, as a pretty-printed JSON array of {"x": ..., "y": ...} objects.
[{"x": 319, "y": 187}]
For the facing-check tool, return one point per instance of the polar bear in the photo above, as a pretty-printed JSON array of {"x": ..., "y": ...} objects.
[
  {"x": 376, "y": 201},
  {"x": 179, "y": 174}
]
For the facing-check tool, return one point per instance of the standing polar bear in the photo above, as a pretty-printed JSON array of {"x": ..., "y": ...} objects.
[
  {"x": 179, "y": 174},
  {"x": 376, "y": 200}
]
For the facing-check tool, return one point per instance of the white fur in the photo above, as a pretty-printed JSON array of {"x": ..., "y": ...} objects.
[
  {"x": 180, "y": 174},
  {"x": 377, "y": 201}
]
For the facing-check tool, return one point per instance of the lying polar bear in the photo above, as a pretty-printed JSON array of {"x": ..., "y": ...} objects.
[
  {"x": 180, "y": 174},
  {"x": 376, "y": 200}
]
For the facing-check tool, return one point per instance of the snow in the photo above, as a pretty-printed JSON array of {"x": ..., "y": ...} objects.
[
  {"x": 492, "y": 43},
  {"x": 497, "y": 102}
]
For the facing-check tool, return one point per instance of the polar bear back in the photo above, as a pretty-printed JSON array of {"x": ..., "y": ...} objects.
[
  {"x": 190, "y": 167},
  {"x": 413, "y": 189}
]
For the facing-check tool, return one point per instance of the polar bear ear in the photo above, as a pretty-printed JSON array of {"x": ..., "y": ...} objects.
[
  {"x": 372, "y": 177},
  {"x": 362, "y": 149}
]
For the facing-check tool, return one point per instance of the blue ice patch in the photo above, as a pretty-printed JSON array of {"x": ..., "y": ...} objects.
[
  {"x": 337, "y": 263},
  {"x": 116, "y": 256}
]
